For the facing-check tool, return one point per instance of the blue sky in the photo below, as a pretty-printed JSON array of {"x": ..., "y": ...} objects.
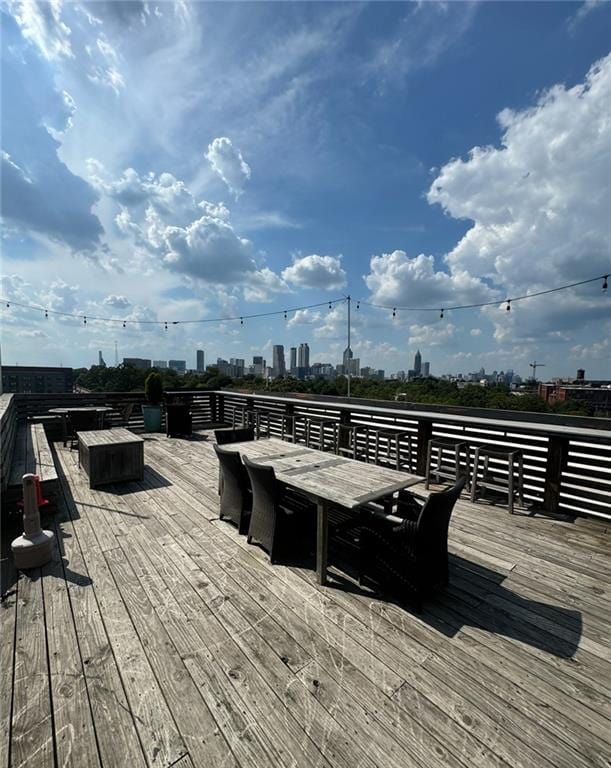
[{"x": 190, "y": 161}]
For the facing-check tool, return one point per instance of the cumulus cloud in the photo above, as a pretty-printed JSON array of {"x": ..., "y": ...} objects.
[
  {"x": 540, "y": 202},
  {"x": 395, "y": 279},
  {"x": 117, "y": 302},
  {"x": 432, "y": 335},
  {"x": 304, "y": 317},
  {"x": 227, "y": 161},
  {"x": 41, "y": 23},
  {"x": 314, "y": 271}
]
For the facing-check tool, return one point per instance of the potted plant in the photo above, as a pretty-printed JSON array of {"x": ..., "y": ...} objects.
[{"x": 153, "y": 393}]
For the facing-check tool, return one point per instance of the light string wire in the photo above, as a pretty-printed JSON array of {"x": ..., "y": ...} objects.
[
  {"x": 274, "y": 313},
  {"x": 508, "y": 301},
  {"x": 84, "y": 318}
]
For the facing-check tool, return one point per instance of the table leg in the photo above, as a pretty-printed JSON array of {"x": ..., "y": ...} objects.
[
  {"x": 321, "y": 541},
  {"x": 65, "y": 428}
]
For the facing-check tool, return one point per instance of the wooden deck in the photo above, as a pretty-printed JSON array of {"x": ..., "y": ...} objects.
[{"x": 158, "y": 637}]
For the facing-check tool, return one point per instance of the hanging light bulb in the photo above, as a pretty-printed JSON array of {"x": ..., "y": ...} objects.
[
  {"x": 605, "y": 284},
  {"x": 358, "y": 304},
  {"x": 241, "y": 321},
  {"x": 166, "y": 326},
  {"x": 508, "y": 307},
  {"x": 285, "y": 316},
  {"x": 7, "y": 304},
  {"x": 394, "y": 311},
  {"x": 124, "y": 324},
  {"x": 46, "y": 314},
  {"x": 330, "y": 305},
  {"x": 84, "y": 319},
  {"x": 441, "y": 314}
]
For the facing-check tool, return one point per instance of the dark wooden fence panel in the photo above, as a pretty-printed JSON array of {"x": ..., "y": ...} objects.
[{"x": 8, "y": 431}]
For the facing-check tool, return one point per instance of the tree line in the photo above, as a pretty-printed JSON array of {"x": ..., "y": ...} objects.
[{"x": 126, "y": 378}]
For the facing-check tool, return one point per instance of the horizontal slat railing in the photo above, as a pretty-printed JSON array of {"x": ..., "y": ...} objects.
[
  {"x": 8, "y": 431},
  {"x": 567, "y": 460}
]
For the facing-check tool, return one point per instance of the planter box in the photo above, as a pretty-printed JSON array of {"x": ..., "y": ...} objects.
[{"x": 111, "y": 456}]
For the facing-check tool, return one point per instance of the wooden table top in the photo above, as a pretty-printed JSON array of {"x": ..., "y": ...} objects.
[
  {"x": 338, "y": 479},
  {"x": 108, "y": 437},
  {"x": 82, "y": 409}
]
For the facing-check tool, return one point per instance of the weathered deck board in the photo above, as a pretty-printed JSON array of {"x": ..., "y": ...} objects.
[{"x": 161, "y": 638}]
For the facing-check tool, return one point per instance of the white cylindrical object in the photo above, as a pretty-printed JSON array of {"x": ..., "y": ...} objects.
[{"x": 35, "y": 546}]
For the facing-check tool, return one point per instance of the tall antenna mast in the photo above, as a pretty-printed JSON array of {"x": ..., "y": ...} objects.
[
  {"x": 349, "y": 359},
  {"x": 534, "y": 366}
]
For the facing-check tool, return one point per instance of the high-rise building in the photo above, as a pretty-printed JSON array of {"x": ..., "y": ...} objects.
[
  {"x": 426, "y": 369},
  {"x": 101, "y": 362},
  {"x": 238, "y": 364},
  {"x": 278, "y": 365},
  {"x": 258, "y": 364},
  {"x": 418, "y": 363},
  {"x": 200, "y": 367},
  {"x": 346, "y": 359},
  {"x": 293, "y": 359},
  {"x": 160, "y": 364},
  {"x": 304, "y": 355},
  {"x": 180, "y": 366}
]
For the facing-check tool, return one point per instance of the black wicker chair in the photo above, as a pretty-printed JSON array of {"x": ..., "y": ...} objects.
[
  {"x": 280, "y": 520},
  {"x": 236, "y": 496},
  {"x": 407, "y": 553},
  {"x": 242, "y": 434}
]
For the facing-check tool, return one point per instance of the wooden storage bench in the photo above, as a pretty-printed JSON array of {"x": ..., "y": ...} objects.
[{"x": 111, "y": 456}]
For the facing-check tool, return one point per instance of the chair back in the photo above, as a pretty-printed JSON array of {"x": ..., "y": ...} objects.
[
  {"x": 264, "y": 505},
  {"x": 433, "y": 524},
  {"x": 224, "y": 436},
  {"x": 235, "y": 488},
  {"x": 126, "y": 413}
]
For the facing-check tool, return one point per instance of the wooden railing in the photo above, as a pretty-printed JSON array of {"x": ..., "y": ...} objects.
[
  {"x": 8, "y": 430},
  {"x": 567, "y": 459}
]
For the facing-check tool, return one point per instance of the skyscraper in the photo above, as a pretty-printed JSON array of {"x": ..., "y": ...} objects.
[
  {"x": 347, "y": 358},
  {"x": 426, "y": 369},
  {"x": 258, "y": 364},
  {"x": 101, "y": 361},
  {"x": 293, "y": 359},
  {"x": 278, "y": 365},
  {"x": 418, "y": 363},
  {"x": 200, "y": 361},
  {"x": 304, "y": 355}
]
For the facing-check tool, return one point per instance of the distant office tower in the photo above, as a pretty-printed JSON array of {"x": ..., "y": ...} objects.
[
  {"x": 293, "y": 359},
  {"x": 418, "y": 363},
  {"x": 200, "y": 367},
  {"x": 180, "y": 366},
  {"x": 160, "y": 364},
  {"x": 237, "y": 365},
  {"x": 258, "y": 364},
  {"x": 278, "y": 366},
  {"x": 346, "y": 359},
  {"x": 101, "y": 362},
  {"x": 426, "y": 369},
  {"x": 137, "y": 362},
  {"x": 304, "y": 355}
]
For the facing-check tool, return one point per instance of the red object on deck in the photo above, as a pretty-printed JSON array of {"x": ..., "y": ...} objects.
[{"x": 39, "y": 499}]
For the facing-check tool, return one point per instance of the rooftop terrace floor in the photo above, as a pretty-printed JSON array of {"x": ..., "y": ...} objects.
[{"x": 159, "y": 637}]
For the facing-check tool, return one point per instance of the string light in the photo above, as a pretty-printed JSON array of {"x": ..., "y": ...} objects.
[
  {"x": 84, "y": 319},
  {"x": 508, "y": 307},
  {"x": 330, "y": 305},
  {"x": 605, "y": 284},
  {"x": 241, "y": 321},
  {"x": 46, "y": 314},
  {"x": 441, "y": 315},
  {"x": 124, "y": 324},
  {"x": 285, "y": 315},
  {"x": 166, "y": 326},
  {"x": 7, "y": 304},
  {"x": 358, "y": 304},
  {"x": 394, "y": 311}
]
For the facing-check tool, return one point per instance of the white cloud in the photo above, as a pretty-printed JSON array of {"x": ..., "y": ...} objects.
[
  {"x": 540, "y": 203},
  {"x": 263, "y": 284},
  {"x": 117, "y": 302},
  {"x": 395, "y": 279},
  {"x": 304, "y": 317},
  {"x": 432, "y": 335},
  {"x": 42, "y": 25},
  {"x": 227, "y": 161},
  {"x": 322, "y": 272},
  {"x": 475, "y": 331}
]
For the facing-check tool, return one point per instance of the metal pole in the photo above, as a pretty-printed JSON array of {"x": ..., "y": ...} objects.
[{"x": 349, "y": 358}]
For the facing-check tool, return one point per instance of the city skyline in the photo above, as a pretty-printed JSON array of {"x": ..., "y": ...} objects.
[{"x": 114, "y": 205}]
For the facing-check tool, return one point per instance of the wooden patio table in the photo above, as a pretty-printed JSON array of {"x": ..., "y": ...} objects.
[
  {"x": 65, "y": 412},
  {"x": 326, "y": 479}
]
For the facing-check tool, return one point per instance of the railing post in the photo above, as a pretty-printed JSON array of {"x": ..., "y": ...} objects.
[
  {"x": 557, "y": 460},
  {"x": 213, "y": 408},
  {"x": 220, "y": 408},
  {"x": 425, "y": 433}
]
